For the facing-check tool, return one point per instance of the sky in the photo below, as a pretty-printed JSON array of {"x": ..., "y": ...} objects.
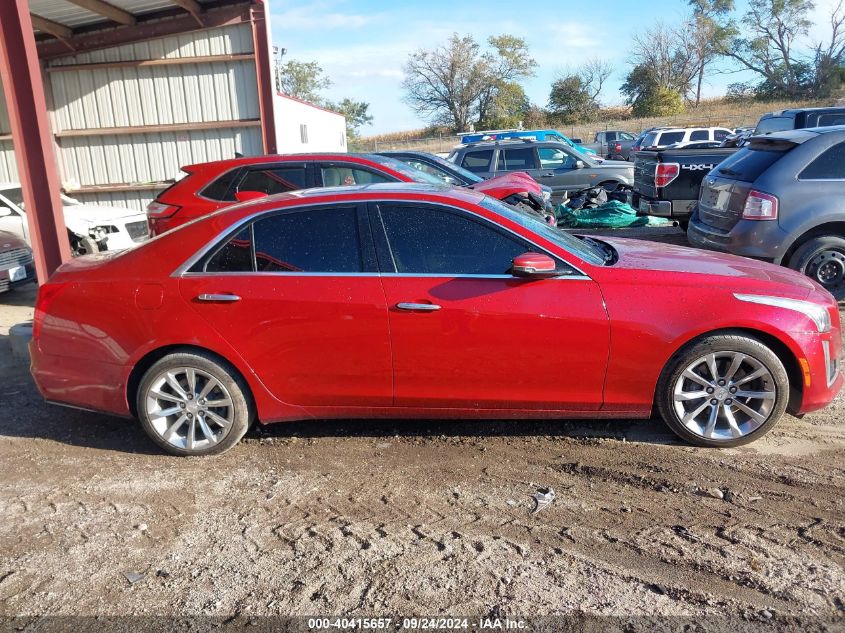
[{"x": 362, "y": 45}]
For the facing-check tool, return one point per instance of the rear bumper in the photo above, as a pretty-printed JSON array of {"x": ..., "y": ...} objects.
[
  {"x": 89, "y": 384},
  {"x": 662, "y": 208},
  {"x": 749, "y": 238}
]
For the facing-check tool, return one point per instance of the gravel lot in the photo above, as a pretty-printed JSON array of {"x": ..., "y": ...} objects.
[{"x": 368, "y": 518}]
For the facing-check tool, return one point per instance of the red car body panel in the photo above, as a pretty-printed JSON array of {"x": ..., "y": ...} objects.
[
  {"x": 323, "y": 345},
  {"x": 187, "y": 204}
]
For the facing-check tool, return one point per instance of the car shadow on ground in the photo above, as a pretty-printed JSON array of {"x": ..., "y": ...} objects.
[{"x": 30, "y": 417}]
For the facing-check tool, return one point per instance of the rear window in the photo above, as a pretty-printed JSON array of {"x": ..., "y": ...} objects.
[
  {"x": 748, "y": 164},
  {"x": 670, "y": 138},
  {"x": 648, "y": 140},
  {"x": 832, "y": 118},
  {"x": 478, "y": 161},
  {"x": 775, "y": 124}
]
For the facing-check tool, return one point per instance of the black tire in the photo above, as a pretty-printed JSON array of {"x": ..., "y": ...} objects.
[
  {"x": 82, "y": 245},
  {"x": 722, "y": 345},
  {"x": 232, "y": 386},
  {"x": 684, "y": 224},
  {"x": 822, "y": 259}
]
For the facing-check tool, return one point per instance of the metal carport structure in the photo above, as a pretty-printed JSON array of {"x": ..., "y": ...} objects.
[{"x": 114, "y": 96}]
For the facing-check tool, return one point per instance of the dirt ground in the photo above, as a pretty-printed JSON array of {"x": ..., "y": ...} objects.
[{"x": 362, "y": 518}]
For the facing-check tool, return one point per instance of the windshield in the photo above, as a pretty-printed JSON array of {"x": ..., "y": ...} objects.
[
  {"x": 14, "y": 195},
  {"x": 774, "y": 124},
  {"x": 445, "y": 171},
  {"x": 398, "y": 166},
  {"x": 569, "y": 243}
]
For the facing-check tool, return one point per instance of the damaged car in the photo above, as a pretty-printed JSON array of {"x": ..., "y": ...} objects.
[{"x": 91, "y": 228}]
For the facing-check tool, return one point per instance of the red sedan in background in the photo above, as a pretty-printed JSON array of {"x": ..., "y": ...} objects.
[
  {"x": 212, "y": 186},
  {"x": 423, "y": 302}
]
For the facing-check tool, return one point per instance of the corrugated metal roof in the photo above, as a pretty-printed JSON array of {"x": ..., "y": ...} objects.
[{"x": 72, "y": 15}]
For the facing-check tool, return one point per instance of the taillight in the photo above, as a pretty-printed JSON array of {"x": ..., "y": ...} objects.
[
  {"x": 760, "y": 206},
  {"x": 46, "y": 295},
  {"x": 161, "y": 210},
  {"x": 666, "y": 173},
  {"x": 617, "y": 147}
]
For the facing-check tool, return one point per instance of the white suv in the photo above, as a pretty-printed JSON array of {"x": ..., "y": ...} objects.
[
  {"x": 91, "y": 228},
  {"x": 665, "y": 136}
]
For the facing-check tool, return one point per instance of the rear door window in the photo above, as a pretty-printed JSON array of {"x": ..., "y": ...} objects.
[
  {"x": 517, "y": 159},
  {"x": 221, "y": 188},
  {"x": 272, "y": 180},
  {"x": 699, "y": 135},
  {"x": 478, "y": 161},
  {"x": 719, "y": 135},
  {"x": 830, "y": 118},
  {"x": 775, "y": 124},
  {"x": 670, "y": 138},
  {"x": 748, "y": 164},
  {"x": 830, "y": 165},
  {"x": 347, "y": 175}
]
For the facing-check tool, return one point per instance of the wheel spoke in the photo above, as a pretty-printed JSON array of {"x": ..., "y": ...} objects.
[
  {"x": 735, "y": 364},
  {"x": 759, "y": 373},
  {"x": 192, "y": 430},
  {"x": 711, "y": 423},
  {"x": 219, "y": 421},
  {"x": 191, "y": 375},
  {"x": 696, "y": 378},
  {"x": 174, "y": 384},
  {"x": 686, "y": 396},
  {"x": 756, "y": 415},
  {"x": 209, "y": 386},
  {"x": 735, "y": 430},
  {"x": 711, "y": 365},
  {"x": 206, "y": 431},
  {"x": 164, "y": 413},
  {"x": 222, "y": 402},
  {"x": 689, "y": 417},
  {"x": 166, "y": 396},
  {"x": 756, "y": 395},
  {"x": 171, "y": 430}
]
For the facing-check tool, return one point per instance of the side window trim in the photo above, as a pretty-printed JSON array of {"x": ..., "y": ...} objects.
[{"x": 387, "y": 260}]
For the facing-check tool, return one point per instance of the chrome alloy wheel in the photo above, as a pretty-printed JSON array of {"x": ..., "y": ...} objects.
[
  {"x": 724, "y": 395},
  {"x": 189, "y": 408}
]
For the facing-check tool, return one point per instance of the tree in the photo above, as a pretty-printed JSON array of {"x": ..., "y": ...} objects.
[
  {"x": 768, "y": 40},
  {"x": 647, "y": 96},
  {"x": 458, "y": 83},
  {"x": 356, "y": 113},
  {"x": 509, "y": 108},
  {"x": 707, "y": 34},
  {"x": 302, "y": 80},
  {"x": 575, "y": 96},
  {"x": 670, "y": 54},
  {"x": 503, "y": 97}
]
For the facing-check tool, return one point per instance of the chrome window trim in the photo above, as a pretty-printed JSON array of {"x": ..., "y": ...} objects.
[
  {"x": 236, "y": 227},
  {"x": 408, "y": 275}
]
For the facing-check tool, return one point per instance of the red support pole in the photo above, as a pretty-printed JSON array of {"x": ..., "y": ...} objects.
[
  {"x": 266, "y": 85},
  {"x": 20, "y": 72}
]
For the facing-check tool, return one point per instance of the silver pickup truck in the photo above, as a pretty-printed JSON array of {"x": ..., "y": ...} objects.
[{"x": 613, "y": 144}]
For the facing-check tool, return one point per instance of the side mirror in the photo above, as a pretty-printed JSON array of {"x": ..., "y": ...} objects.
[
  {"x": 246, "y": 196},
  {"x": 579, "y": 164},
  {"x": 577, "y": 141},
  {"x": 533, "y": 265},
  {"x": 5, "y": 211}
]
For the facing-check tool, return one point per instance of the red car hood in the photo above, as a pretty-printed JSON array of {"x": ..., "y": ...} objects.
[
  {"x": 501, "y": 187},
  {"x": 639, "y": 255}
]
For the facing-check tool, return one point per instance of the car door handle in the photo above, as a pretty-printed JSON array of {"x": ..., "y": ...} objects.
[
  {"x": 418, "y": 307},
  {"x": 547, "y": 173},
  {"x": 219, "y": 298}
]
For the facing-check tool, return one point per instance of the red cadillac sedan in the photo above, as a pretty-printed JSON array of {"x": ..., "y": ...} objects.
[{"x": 413, "y": 301}]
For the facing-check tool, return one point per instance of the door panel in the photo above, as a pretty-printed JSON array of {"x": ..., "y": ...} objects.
[
  {"x": 498, "y": 343},
  {"x": 475, "y": 336},
  {"x": 312, "y": 340},
  {"x": 297, "y": 295}
]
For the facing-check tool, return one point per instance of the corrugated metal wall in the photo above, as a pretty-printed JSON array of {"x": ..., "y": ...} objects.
[
  {"x": 91, "y": 101},
  {"x": 8, "y": 167}
]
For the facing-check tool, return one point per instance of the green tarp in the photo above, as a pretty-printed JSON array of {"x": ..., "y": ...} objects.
[{"x": 611, "y": 215}]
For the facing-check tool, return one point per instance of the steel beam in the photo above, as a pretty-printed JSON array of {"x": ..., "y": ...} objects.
[
  {"x": 108, "y": 11},
  {"x": 24, "y": 90},
  {"x": 266, "y": 85}
]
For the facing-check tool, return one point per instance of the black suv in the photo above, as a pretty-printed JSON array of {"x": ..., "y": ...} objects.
[
  {"x": 799, "y": 118},
  {"x": 779, "y": 198}
]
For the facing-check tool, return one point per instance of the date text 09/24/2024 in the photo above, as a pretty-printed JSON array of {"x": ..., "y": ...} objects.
[{"x": 425, "y": 624}]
